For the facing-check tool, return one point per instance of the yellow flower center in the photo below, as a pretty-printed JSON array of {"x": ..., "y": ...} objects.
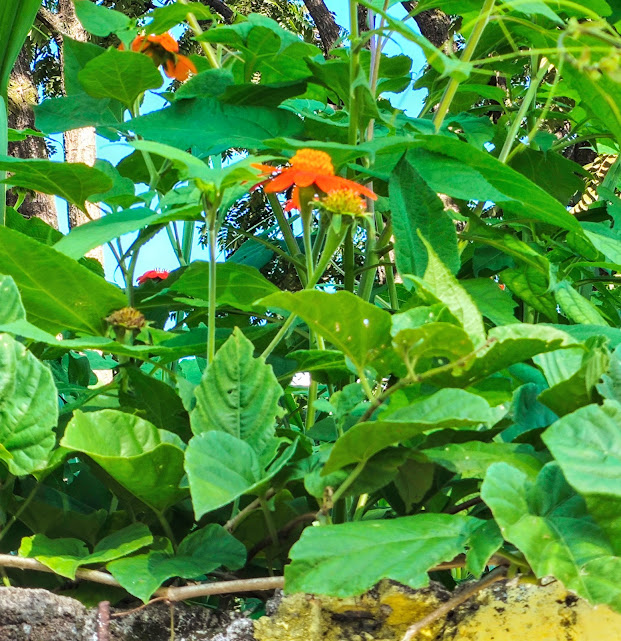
[
  {"x": 345, "y": 201},
  {"x": 313, "y": 160}
]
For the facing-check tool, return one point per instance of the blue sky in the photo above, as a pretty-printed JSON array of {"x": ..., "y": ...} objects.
[{"x": 158, "y": 254}]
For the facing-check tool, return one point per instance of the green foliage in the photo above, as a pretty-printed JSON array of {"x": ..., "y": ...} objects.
[{"x": 383, "y": 369}]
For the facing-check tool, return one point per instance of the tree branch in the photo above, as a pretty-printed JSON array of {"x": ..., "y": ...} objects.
[
  {"x": 220, "y": 7},
  {"x": 433, "y": 24}
]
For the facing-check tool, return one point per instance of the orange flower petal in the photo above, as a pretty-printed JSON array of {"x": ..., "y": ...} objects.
[
  {"x": 283, "y": 181},
  {"x": 180, "y": 68},
  {"x": 305, "y": 178},
  {"x": 166, "y": 41},
  {"x": 137, "y": 44},
  {"x": 265, "y": 169}
]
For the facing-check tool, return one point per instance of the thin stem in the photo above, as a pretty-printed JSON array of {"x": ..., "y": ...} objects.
[
  {"x": 466, "y": 56},
  {"x": 210, "y": 54},
  {"x": 4, "y": 144},
  {"x": 349, "y": 263},
  {"x": 166, "y": 527},
  {"x": 529, "y": 98},
  {"x": 348, "y": 482},
  {"x": 234, "y": 521},
  {"x": 211, "y": 312},
  {"x": 188, "y": 237},
  {"x": 21, "y": 508},
  {"x": 464, "y": 594},
  {"x": 310, "y": 405},
  {"x": 354, "y": 66}
]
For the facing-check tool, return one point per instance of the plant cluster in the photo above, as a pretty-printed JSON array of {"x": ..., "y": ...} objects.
[{"x": 443, "y": 382}]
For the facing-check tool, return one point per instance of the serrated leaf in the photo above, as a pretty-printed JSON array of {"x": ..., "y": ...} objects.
[
  {"x": 448, "y": 408},
  {"x": 147, "y": 462},
  {"x": 238, "y": 394},
  {"x": 575, "y": 306},
  {"x": 416, "y": 208},
  {"x": 472, "y": 459},
  {"x": 28, "y": 409},
  {"x": 439, "y": 285},
  {"x": 359, "y": 329},
  {"x": 348, "y": 559}
]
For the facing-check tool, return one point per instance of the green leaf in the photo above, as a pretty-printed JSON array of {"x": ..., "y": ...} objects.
[
  {"x": 455, "y": 168},
  {"x": 28, "y": 408},
  {"x": 155, "y": 401},
  {"x": 472, "y": 459},
  {"x": 238, "y": 394},
  {"x": 16, "y": 18},
  {"x": 548, "y": 522},
  {"x": 57, "y": 293},
  {"x": 56, "y": 115},
  {"x": 532, "y": 286},
  {"x": 236, "y": 285},
  {"x": 324, "y": 366},
  {"x": 13, "y": 315},
  {"x": 122, "y": 75},
  {"x": 74, "y": 182},
  {"x": 447, "y": 408},
  {"x": 100, "y": 231},
  {"x": 206, "y": 84},
  {"x": 483, "y": 543},
  {"x": 199, "y": 553},
  {"x": 439, "y": 285},
  {"x": 507, "y": 345},
  {"x": 493, "y": 302},
  {"x": 359, "y": 329},
  {"x": 147, "y": 462},
  {"x": 348, "y": 559},
  {"x": 577, "y": 389},
  {"x": 417, "y": 212},
  {"x": 575, "y": 306},
  {"x": 165, "y": 18},
  {"x": 222, "y": 126},
  {"x": 587, "y": 446},
  {"x": 98, "y": 20},
  {"x": 65, "y": 556},
  {"x": 220, "y": 468}
]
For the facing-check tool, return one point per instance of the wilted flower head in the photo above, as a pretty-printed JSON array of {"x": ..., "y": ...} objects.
[
  {"x": 127, "y": 318},
  {"x": 164, "y": 50}
]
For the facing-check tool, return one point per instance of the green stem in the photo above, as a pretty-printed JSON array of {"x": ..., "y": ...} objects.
[
  {"x": 528, "y": 100},
  {"x": 349, "y": 262},
  {"x": 4, "y": 145},
  {"x": 285, "y": 229},
  {"x": 210, "y": 54},
  {"x": 310, "y": 404},
  {"x": 347, "y": 483},
  {"x": 354, "y": 66},
  {"x": 466, "y": 56},
  {"x": 21, "y": 508},
  {"x": 188, "y": 237},
  {"x": 211, "y": 317},
  {"x": 370, "y": 263},
  {"x": 166, "y": 527}
]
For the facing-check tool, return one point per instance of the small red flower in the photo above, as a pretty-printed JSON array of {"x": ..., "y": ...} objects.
[
  {"x": 156, "y": 275},
  {"x": 309, "y": 167},
  {"x": 164, "y": 50}
]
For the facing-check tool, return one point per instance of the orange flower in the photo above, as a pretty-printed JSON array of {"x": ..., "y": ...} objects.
[
  {"x": 164, "y": 50},
  {"x": 309, "y": 168}
]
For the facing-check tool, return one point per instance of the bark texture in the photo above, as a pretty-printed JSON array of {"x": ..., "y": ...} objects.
[
  {"x": 23, "y": 96},
  {"x": 434, "y": 24},
  {"x": 324, "y": 20}
]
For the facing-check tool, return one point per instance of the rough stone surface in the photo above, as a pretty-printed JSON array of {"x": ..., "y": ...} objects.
[{"x": 38, "y": 615}]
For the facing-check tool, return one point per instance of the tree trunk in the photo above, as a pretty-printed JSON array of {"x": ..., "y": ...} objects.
[
  {"x": 433, "y": 24},
  {"x": 22, "y": 97},
  {"x": 80, "y": 144},
  {"x": 324, "y": 20}
]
